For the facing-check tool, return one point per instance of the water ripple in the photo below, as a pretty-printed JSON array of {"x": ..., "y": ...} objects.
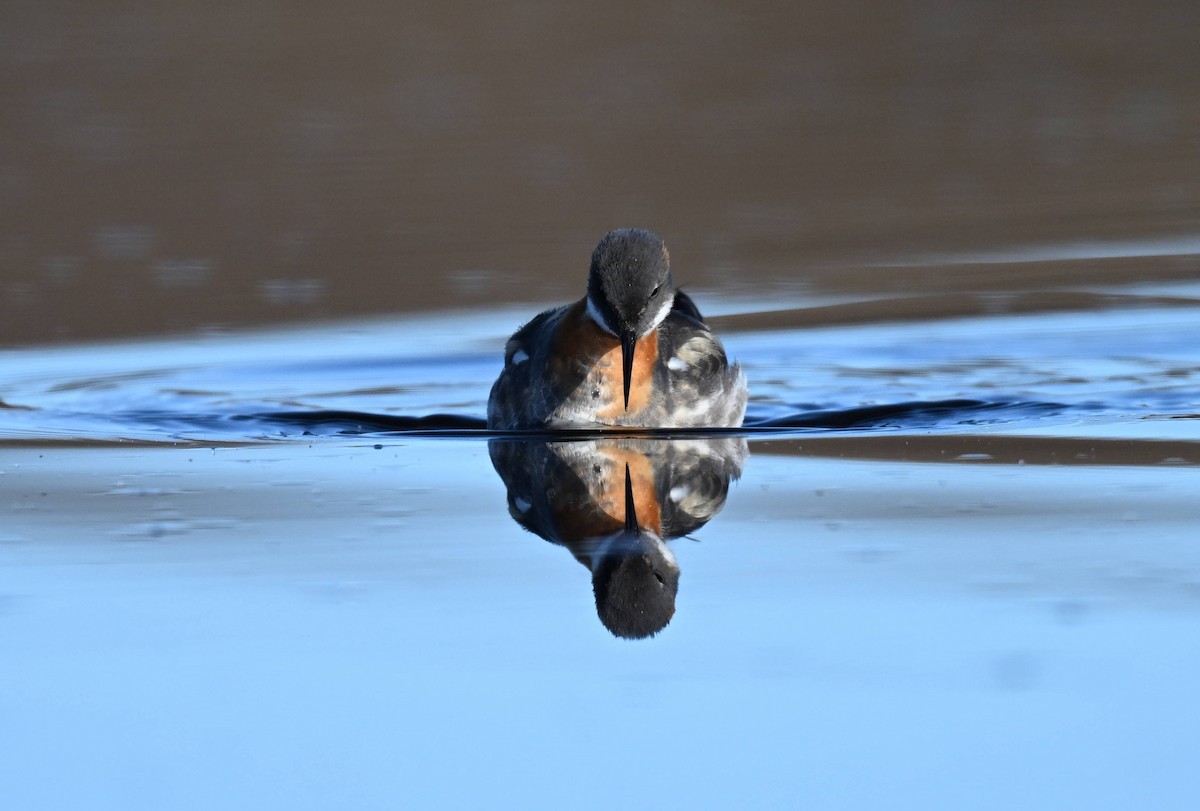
[{"x": 1099, "y": 372}]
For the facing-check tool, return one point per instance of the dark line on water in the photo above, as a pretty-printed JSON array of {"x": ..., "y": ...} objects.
[{"x": 907, "y": 415}]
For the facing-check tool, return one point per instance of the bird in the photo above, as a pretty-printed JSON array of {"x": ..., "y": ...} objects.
[
  {"x": 569, "y": 490},
  {"x": 634, "y": 352}
]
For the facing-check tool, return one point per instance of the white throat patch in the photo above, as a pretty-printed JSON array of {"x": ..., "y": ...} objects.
[
  {"x": 594, "y": 313},
  {"x": 663, "y": 312},
  {"x": 598, "y": 319}
]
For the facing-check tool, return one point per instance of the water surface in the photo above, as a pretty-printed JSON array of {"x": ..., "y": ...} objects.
[
  {"x": 961, "y": 544},
  {"x": 257, "y": 266}
]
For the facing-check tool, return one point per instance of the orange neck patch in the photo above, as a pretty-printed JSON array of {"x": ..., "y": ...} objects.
[{"x": 581, "y": 341}]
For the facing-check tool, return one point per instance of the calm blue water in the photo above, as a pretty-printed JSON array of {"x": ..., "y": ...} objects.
[
  {"x": 1126, "y": 363},
  {"x": 983, "y": 605}
]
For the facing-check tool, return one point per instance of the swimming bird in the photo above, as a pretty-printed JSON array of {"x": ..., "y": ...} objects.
[{"x": 633, "y": 352}]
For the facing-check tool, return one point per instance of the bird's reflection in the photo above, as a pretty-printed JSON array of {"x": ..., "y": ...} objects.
[{"x": 614, "y": 503}]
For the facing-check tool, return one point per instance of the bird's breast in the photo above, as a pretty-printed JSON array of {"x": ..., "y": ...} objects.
[{"x": 589, "y": 359}]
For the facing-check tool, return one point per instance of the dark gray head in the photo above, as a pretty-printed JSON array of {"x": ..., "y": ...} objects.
[
  {"x": 630, "y": 288},
  {"x": 635, "y": 578}
]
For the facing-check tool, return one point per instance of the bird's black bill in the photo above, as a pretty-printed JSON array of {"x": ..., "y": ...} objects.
[
  {"x": 631, "y": 522},
  {"x": 628, "y": 348}
]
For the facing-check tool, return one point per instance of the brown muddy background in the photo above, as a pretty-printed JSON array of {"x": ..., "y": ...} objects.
[{"x": 169, "y": 167}]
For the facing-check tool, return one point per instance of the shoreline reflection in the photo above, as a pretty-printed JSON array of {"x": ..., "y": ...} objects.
[{"x": 614, "y": 504}]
